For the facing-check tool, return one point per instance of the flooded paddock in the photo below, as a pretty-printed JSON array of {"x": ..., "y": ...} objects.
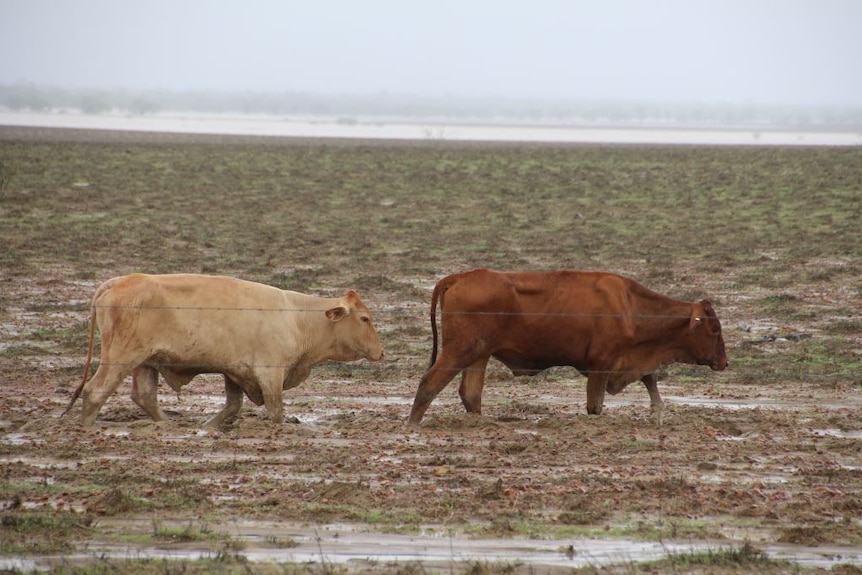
[
  {"x": 346, "y": 456},
  {"x": 756, "y": 464},
  {"x": 441, "y": 130},
  {"x": 434, "y": 548}
]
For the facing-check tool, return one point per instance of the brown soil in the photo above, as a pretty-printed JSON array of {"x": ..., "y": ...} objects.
[{"x": 734, "y": 461}]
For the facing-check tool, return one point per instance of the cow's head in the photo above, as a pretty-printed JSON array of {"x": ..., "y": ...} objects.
[
  {"x": 355, "y": 336},
  {"x": 704, "y": 339}
]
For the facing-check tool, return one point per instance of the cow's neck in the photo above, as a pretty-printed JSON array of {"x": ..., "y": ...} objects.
[
  {"x": 314, "y": 329},
  {"x": 650, "y": 356},
  {"x": 661, "y": 330}
]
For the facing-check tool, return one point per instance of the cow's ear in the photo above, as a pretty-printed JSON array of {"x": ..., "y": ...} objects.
[{"x": 337, "y": 313}]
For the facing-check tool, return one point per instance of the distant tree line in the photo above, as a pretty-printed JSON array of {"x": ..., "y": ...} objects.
[{"x": 384, "y": 106}]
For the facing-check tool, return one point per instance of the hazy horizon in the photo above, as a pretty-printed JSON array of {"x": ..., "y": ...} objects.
[{"x": 796, "y": 52}]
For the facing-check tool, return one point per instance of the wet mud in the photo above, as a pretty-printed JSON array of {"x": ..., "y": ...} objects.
[
  {"x": 767, "y": 453},
  {"x": 347, "y": 479}
]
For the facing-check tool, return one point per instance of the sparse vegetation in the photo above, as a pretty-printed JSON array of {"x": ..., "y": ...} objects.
[
  {"x": 745, "y": 555},
  {"x": 770, "y": 446},
  {"x": 35, "y": 533},
  {"x": 5, "y": 176}
]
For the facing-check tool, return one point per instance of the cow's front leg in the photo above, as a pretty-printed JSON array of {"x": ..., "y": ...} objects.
[
  {"x": 435, "y": 379},
  {"x": 596, "y": 383},
  {"x": 271, "y": 387},
  {"x": 232, "y": 406},
  {"x": 656, "y": 405},
  {"x": 145, "y": 382},
  {"x": 472, "y": 384}
]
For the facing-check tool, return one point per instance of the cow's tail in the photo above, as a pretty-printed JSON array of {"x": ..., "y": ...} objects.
[
  {"x": 78, "y": 391},
  {"x": 437, "y": 295}
]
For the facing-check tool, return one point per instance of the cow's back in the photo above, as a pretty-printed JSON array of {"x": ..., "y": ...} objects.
[
  {"x": 545, "y": 296},
  {"x": 534, "y": 320},
  {"x": 188, "y": 292},
  {"x": 193, "y": 318},
  {"x": 192, "y": 290},
  {"x": 570, "y": 292}
]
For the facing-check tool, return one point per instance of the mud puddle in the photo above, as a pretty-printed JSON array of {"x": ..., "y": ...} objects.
[{"x": 435, "y": 546}]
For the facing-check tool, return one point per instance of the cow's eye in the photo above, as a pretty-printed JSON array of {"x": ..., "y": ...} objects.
[{"x": 365, "y": 319}]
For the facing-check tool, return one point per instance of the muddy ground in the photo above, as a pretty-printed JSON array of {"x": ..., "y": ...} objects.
[{"x": 765, "y": 456}]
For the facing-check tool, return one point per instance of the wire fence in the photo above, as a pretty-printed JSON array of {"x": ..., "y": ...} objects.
[
  {"x": 404, "y": 312},
  {"x": 749, "y": 376},
  {"x": 815, "y": 370}
]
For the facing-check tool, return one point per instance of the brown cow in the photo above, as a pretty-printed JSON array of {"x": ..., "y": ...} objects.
[
  {"x": 610, "y": 328},
  {"x": 261, "y": 338}
]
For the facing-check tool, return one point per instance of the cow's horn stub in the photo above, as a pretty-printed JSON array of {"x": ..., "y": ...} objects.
[{"x": 352, "y": 296}]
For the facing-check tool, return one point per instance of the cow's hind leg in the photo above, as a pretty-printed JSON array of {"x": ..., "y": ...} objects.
[
  {"x": 98, "y": 388},
  {"x": 434, "y": 380},
  {"x": 232, "y": 406},
  {"x": 656, "y": 405},
  {"x": 472, "y": 384},
  {"x": 145, "y": 381}
]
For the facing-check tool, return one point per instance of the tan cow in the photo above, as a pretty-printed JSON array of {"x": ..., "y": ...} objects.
[{"x": 261, "y": 338}]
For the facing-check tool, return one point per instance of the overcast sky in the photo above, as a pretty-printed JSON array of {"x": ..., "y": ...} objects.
[{"x": 712, "y": 51}]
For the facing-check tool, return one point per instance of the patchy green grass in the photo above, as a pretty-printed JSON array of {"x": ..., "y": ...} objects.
[
  {"x": 745, "y": 556},
  {"x": 40, "y": 533},
  {"x": 219, "y": 563},
  {"x": 769, "y": 234},
  {"x": 264, "y": 211}
]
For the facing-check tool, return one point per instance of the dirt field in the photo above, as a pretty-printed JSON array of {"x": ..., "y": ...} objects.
[{"x": 755, "y": 469}]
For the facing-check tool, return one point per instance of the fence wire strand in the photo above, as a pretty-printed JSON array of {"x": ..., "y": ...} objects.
[
  {"x": 665, "y": 372},
  {"x": 403, "y": 312},
  {"x": 806, "y": 374}
]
